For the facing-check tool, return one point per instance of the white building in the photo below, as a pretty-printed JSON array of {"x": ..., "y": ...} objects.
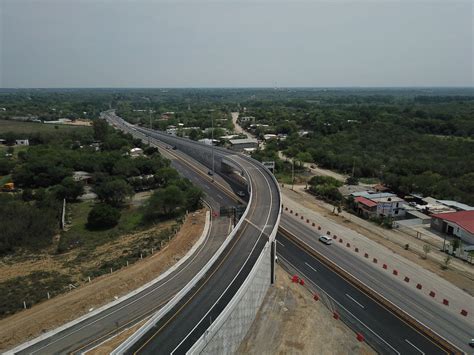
[{"x": 22, "y": 142}]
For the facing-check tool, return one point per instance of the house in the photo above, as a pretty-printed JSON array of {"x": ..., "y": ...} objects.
[
  {"x": 365, "y": 207},
  {"x": 247, "y": 119},
  {"x": 381, "y": 188},
  {"x": 459, "y": 224},
  {"x": 269, "y": 136},
  {"x": 390, "y": 207},
  {"x": 83, "y": 176},
  {"x": 135, "y": 152},
  {"x": 22, "y": 142},
  {"x": 239, "y": 145},
  {"x": 387, "y": 204},
  {"x": 2, "y": 141}
]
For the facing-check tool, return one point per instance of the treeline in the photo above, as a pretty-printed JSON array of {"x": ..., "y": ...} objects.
[
  {"x": 44, "y": 174},
  {"x": 410, "y": 146}
]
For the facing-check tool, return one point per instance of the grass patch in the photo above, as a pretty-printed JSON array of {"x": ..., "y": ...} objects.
[
  {"x": 21, "y": 127},
  {"x": 32, "y": 289},
  {"x": 16, "y": 150},
  {"x": 79, "y": 235}
]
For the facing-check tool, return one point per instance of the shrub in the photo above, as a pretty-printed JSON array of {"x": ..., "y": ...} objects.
[{"x": 103, "y": 216}]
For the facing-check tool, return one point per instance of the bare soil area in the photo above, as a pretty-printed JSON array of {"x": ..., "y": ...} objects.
[
  {"x": 291, "y": 322},
  {"x": 59, "y": 310}
]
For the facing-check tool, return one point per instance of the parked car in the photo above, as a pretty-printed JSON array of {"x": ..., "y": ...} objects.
[
  {"x": 471, "y": 343},
  {"x": 241, "y": 193},
  {"x": 210, "y": 173},
  {"x": 325, "y": 239}
]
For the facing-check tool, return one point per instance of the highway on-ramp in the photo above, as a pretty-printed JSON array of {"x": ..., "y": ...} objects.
[{"x": 95, "y": 329}]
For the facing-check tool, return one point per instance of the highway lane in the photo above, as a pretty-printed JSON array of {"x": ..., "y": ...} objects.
[
  {"x": 425, "y": 310},
  {"x": 392, "y": 335},
  {"x": 183, "y": 325}
]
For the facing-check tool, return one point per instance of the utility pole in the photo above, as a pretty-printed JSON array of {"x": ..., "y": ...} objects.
[
  {"x": 292, "y": 173},
  {"x": 151, "y": 126},
  {"x": 212, "y": 145}
]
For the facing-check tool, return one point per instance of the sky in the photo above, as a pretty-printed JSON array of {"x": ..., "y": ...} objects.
[{"x": 258, "y": 43}]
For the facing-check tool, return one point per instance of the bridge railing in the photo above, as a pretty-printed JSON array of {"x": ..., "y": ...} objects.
[{"x": 180, "y": 295}]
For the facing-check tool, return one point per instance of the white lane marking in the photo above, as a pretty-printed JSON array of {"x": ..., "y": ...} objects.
[
  {"x": 312, "y": 268},
  {"x": 243, "y": 265},
  {"x": 283, "y": 245},
  {"x": 125, "y": 303},
  {"x": 340, "y": 305},
  {"x": 409, "y": 342},
  {"x": 352, "y": 299}
]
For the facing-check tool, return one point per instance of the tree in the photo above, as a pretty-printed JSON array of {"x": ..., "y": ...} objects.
[
  {"x": 103, "y": 216},
  {"x": 69, "y": 189},
  {"x": 150, "y": 150},
  {"x": 352, "y": 180},
  {"x": 446, "y": 262},
  {"x": 114, "y": 192},
  {"x": 194, "y": 135},
  {"x": 193, "y": 197},
  {"x": 426, "y": 250},
  {"x": 164, "y": 202},
  {"x": 101, "y": 129}
]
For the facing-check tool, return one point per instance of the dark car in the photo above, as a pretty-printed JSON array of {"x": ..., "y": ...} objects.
[
  {"x": 471, "y": 343},
  {"x": 241, "y": 193},
  {"x": 210, "y": 173},
  {"x": 175, "y": 147}
]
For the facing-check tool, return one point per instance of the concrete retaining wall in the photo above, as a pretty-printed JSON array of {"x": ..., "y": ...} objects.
[{"x": 227, "y": 332}]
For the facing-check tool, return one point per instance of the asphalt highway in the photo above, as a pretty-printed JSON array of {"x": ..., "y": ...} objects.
[
  {"x": 183, "y": 325},
  {"x": 390, "y": 334},
  {"x": 429, "y": 312},
  {"x": 96, "y": 329}
]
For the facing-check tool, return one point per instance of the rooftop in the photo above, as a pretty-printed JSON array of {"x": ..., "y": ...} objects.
[
  {"x": 464, "y": 219},
  {"x": 365, "y": 201},
  {"x": 457, "y": 205},
  {"x": 243, "y": 141},
  {"x": 372, "y": 195}
]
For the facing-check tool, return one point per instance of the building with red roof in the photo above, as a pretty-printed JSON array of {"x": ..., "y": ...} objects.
[
  {"x": 459, "y": 224},
  {"x": 365, "y": 207}
]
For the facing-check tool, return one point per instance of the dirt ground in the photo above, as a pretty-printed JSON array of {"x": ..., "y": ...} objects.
[
  {"x": 59, "y": 310},
  {"x": 291, "y": 322},
  {"x": 461, "y": 276}
]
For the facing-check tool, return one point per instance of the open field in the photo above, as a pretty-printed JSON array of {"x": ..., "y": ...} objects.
[
  {"x": 78, "y": 233},
  {"x": 50, "y": 314},
  {"x": 22, "y": 127},
  {"x": 76, "y": 255}
]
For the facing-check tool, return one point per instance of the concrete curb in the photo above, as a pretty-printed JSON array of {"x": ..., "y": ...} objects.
[{"x": 121, "y": 299}]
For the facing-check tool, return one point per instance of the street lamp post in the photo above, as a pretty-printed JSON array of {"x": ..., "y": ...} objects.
[
  {"x": 292, "y": 173},
  {"x": 212, "y": 145}
]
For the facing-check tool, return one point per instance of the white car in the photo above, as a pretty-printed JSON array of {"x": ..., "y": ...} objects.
[{"x": 325, "y": 239}]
